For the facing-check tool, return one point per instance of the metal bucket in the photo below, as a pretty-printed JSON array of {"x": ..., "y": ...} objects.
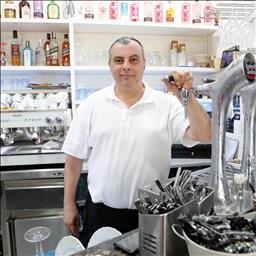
[{"x": 195, "y": 249}]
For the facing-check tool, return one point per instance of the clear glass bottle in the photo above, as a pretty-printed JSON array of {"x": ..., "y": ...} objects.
[
  {"x": 24, "y": 9},
  {"x": 148, "y": 11},
  {"x": 174, "y": 53},
  {"x": 47, "y": 50},
  {"x": 102, "y": 10},
  {"x": 185, "y": 12},
  {"x": 54, "y": 49},
  {"x": 16, "y": 49},
  {"x": 134, "y": 11},
  {"x": 170, "y": 12},
  {"x": 4, "y": 61},
  {"x": 38, "y": 9},
  {"x": 89, "y": 10},
  {"x": 196, "y": 12},
  {"x": 113, "y": 10},
  {"x": 9, "y": 9},
  {"x": 39, "y": 54},
  {"x": 27, "y": 54},
  {"x": 65, "y": 51},
  {"x": 182, "y": 55},
  {"x": 53, "y": 10},
  {"x": 158, "y": 12}
]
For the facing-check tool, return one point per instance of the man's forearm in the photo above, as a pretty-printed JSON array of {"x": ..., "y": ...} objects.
[
  {"x": 200, "y": 123},
  {"x": 73, "y": 168}
]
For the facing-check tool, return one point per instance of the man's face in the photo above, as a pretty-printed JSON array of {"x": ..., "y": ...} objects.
[{"x": 127, "y": 64}]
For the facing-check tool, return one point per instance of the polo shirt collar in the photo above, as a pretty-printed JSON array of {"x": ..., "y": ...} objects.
[{"x": 147, "y": 97}]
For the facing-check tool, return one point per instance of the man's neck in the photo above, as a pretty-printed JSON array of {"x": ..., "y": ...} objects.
[{"x": 130, "y": 95}]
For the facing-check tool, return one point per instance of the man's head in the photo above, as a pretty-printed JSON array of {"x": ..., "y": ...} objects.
[{"x": 127, "y": 61}]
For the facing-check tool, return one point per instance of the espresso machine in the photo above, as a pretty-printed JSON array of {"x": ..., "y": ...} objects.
[{"x": 32, "y": 170}]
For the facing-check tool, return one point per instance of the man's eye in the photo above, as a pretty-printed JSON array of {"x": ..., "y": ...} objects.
[
  {"x": 118, "y": 61},
  {"x": 134, "y": 60}
]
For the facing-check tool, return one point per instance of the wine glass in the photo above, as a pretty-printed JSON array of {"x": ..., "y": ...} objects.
[{"x": 37, "y": 235}]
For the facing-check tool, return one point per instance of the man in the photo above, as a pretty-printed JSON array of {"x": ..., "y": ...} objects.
[{"x": 125, "y": 131}]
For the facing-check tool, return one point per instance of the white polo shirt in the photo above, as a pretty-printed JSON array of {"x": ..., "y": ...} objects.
[{"x": 126, "y": 148}]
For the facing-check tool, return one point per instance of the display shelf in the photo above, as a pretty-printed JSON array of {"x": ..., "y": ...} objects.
[
  {"x": 35, "y": 70},
  {"x": 34, "y": 25},
  {"x": 144, "y": 28},
  {"x": 35, "y": 91}
]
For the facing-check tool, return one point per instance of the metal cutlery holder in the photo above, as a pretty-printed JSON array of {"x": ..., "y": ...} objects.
[{"x": 155, "y": 233}]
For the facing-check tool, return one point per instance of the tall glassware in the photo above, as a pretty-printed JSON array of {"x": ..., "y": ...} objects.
[
  {"x": 24, "y": 9},
  {"x": 38, "y": 9},
  {"x": 53, "y": 10},
  {"x": 16, "y": 49},
  {"x": 54, "y": 48},
  {"x": 40, "y": 54},
  {"x": 27, "y": 55},
  {"x": 37, "y": 235}
]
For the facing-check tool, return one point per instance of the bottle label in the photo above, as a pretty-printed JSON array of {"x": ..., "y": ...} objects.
[
  {"x": 25, "y": 12},
  {"x": 9, "y": 13},
  {"x": 38, "y": 15},
  {"x": 53, "y": 12},
  {"x": 15, "y": 50}
]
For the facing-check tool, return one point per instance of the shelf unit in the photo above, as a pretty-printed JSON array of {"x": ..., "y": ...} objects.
[{"x": 91, "y": 34}]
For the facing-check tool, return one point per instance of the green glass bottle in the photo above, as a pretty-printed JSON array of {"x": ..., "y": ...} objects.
[{"x": 53, "y": 10}]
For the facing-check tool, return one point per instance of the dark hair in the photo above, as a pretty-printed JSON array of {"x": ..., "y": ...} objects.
[{"x": 125, "y": 40}]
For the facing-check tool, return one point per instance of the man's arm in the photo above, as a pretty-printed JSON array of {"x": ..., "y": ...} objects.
[
  {"x": 200, "y": 124},
  {"x": 72, "y": 171}
]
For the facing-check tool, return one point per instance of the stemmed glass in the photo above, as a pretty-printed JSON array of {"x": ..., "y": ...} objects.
[{"x": 37, "y": 235}]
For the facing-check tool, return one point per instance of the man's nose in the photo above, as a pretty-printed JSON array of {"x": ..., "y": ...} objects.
[{"x": 126, "y": 65}]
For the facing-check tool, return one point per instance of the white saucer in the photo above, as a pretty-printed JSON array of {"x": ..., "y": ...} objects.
[
  {"x": 103, "y": 234},
  {"x": 68, "y": 245}
]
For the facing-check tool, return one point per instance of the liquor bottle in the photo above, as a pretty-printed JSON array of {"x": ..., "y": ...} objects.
[
  {"x": 39, "y": 54},
  {"x": 47, "y": 50},
  {"x": 170, "y": 12},
  {"x": 54, "y": 49},
  {"x": 158, "y": 12},
  {"x": 16, "y": 49},
  {"x": 148, "y": 11},
  {"x": 182, "y": 55},
  {"x": 196, "y": 12},
  {"x": 9, "y": 9},
  {"x": 174, "y": 53},
  {"x": 102, "y": 10},
  {"x": 38, "y": 9},
  {"x": 27, "y": 55},
  {"x": 89, "y": 10},
  {"x": 24, "y": 9},
  {"x": 134, "y": 11},
  {"x": 113, "y": 10},
  {"x": 4, "y": 61},
  {"x": 208, "y": 13},
  {"x": 124, "y": 11},
  {"x": 65, "y": 51},
  {"x": 185, "y": 12},
  {"x": 53, "y": 10}
]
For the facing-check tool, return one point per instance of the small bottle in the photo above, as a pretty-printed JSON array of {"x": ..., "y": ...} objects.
[
  {"x": 134, "y": 11},
  {"x": 113, "y": 10},
  {"x": 148, "y": 11},
  {"x": 158, "y": 12},
  {"x": 54, "y": 49},
  {"x": 174, "y": 53},
  {"x": 39, "y": 54},
  {"x": 196, "y": 12},
  {"x": 16, "y": 49},
  {"x": 124, "y": 11},
  {"x": 4, "y": 61},
  {"x": 27, "y": 55},
  {"x": 89, "y": 10},
  {"x": 170, "y": 12},
  {"x": 9, "y": 9},
  {"x": 38, "y": 9},
  {"x": 24, "y": 9},
  {"x": 47, "y": 50},
  {"x": 53, "y": 10},
  {"x": 182, "y": 55},
  {"x": 65, "y": 51},
  {"x": 185, "y": 12},
  {"x": 102, "y": 10},
  {"x": 208, "y": 13}
]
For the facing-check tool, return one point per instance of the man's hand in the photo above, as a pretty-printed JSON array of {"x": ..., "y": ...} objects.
[
  {"x": 71, "y": 219},
  {"x": 181, "y": 80}
]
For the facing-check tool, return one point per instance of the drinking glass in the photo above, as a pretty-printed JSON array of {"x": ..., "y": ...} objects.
[{"x": 37, "y": 235}]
